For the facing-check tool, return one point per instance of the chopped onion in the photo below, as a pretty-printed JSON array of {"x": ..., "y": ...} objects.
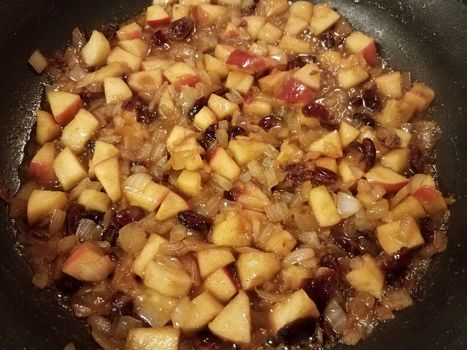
[
  {"x": 335, "y": 316},
  {"x": 347, "y": 205},
  {"x": 38, "y": 61},
  {"x": 56, "y": 221},
  {"x": 270, "y": 297},
  {"x": 87, "y": 231},
  {"x": 77, "y": 73},
  {"x": 137, "y": 182},
  {"x": 277, "y": 211},
  {"x": 298, "y": 255}
]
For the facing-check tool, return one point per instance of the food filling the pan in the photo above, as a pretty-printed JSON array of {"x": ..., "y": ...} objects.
[{"x": 228, "y": 175}]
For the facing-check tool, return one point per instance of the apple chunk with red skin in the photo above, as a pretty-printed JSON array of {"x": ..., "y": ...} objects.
[
  {"x": 295, "y": 92},
  {"x": 431, "y": 199},
  {"x": 87, "y": 263},
  {"x": 249, "y": 62},
  {"x": 46, "y": 127},
  {"x": 156, "y": 16},
  {"x": 42, "y": 203},
  {"x": 386, "y": 177},
  {"x": 41, "y": 167},
  {"x": 359, "y": 43},
  {"x": 64, "y": 105},
  {"x": 130, "y": 31},
  {"x": 233, "y": 323},
  {"x": 222, "y": 164}
]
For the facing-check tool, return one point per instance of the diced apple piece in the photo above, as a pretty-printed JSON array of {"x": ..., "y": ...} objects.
[
  {"x": 295, "y": 25},
  {"x": 281, "y": 242},
  {"x": 222, "y": 52},
  {"x": 153, "y": 63},
  {"x": 96, "y": 50},
  {"x": 295, "y": 307},
  {"x": 68, "y": 169},
  {"x": 386, "y": 177},
  {"x": 233, "y": 323},
  {"x": 431, "y": 199},
  {"x": 255, "y": 268},
  {"x": 409, "y": 206},
  {"x": 222, "y": 107},
  {"x": 204, "y": 118},
  {"x": 347, "y": 133},
  {"x": 114, "y": 69},
  {"x": 359, "y": 43},
  {"x": 149, "y": 252},
  {"x": 38, "y": 61},
  {"x": 165, "y": 338},
  {"x": 116, "y": 90},
  {"x": 94, "y": 200},
  {"x": 64, "y": 105},
  {"x": 179, "y": 11},
  {"x": 154, "y": 307},
  {"x": 295, "y": 92},
  {"x": 295, "y": 45},
  {"x": 257, "y": 107},
  {"x": 324, "y": 207},
  {"x": 231, "y": 229},
  {"x": 302, "y": 10},
  {"x": 102, "y": 151},
  {"x": 367, "y": 278},
  {"x": 210, "y": 260},
  {"x": 157, "y": 16},
  {"x": 323, "y": 18},
  {"x": 221, "y": 284},
  {"x": 420, "y": 97},
  {"x": 130, "y": 31},
  {"x": 170, "y": 206},
  {"x": 42, "y": 203},
  {"x": 146, "y": 81},
  {"x": 346, "y": 173},
  {"x": 137, "y": 47},
  {"x": 245, "y": 149},
  {"x": 395, "y": 235},
  {"x": 230, "y": 2},
  {"x": 390, "y": 85},
  {"x": 222, "y": 164},
  {"x": 290, "y": 153},
  {"x": 167, "y": 280},
  {"x": 193, "y": 315},
  {"x": 293, "y": 276},
  {"x": 251, "y": 197},
  {"x": 272, "y": 84},
  {"x": 41, "y": 166},
  {"x": 215, "y": 65},
  {"x": 208, "y": 14},
  {"x": 177, "y": 72},
  {"x": 239, "y": 81},
  {"x": 189, "y": 182},
  {"x": 141, "y": 191},
  {"x": 269, "y": 33},
  {"x": 309, "y": 75},
  {"x": 108, "y": 174},
  {"x": 404, "y": 137},
  {"x": 253, "y": 25},
  {"x": 395, "y": 113},
  {"x": 276, "y": 7},
  {"x": 351, "y": 77},
  {"x": 397, "y": 159},
  {"x": 87, "y": 263},
  {"x": 330, "y": 60},
  {"x": 46, "y": 127},
  {"x": 329, "y": 145},
  {"x": 132, "y": 62},
  {"x": 79, "y": 131},
  {"x": 177, "y": 136},
  {"x": 132, "y": 238}
]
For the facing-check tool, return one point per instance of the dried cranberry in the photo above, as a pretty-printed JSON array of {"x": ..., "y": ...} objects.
[
  {"x": 209, "y": 136},
  {"x": 109, "y": 30},
  {"x": 347, "y": 244},
  {"x": 87, "y": 97},
  {"x": 39, "y": 235},
  {"x": 317, "y": 110},
  {"x": 416, "y": 160},
  {"x": 328, "y": 40},
  {"x": 369, "y": 152},
  {"x": 367, "y": 245},
  {"x": 122, "y": 304},
  {"x": 110, "y": 234},
  {"x": 296, "y": 331},
  {"x": 233, "y": 194},
  {"x": 427, "y": 228},
  {"x": 67, "y": 284},
  {"x": 322, "y": 288},
  {"x": 298, "y": 173},
  {"x": 75, "y": 213},
  {"x": 330, "y": 261},
  {"x": 181, "y": 28},
  {"x": 364, "y": 118},
  {"x": 197, "y": 106},
  {"x": 194, "y": 220},
  {"x": 205, "y": 340},
  {"x": 159, "y": 39},
  {"x": 370, "y": 99},
  {"x": 388, "y": 137},
  {"x": 145, "y": 115},
  {"x": 221, "y": 92},
  {"x": 129, "y": 214},
  {"x": 398, "y": 261},
  {"x": 324, "y": 176},
  {"x": 235, "y": 131},
  {"x": 299, "y": 61},
  {"x": 269, "y": 122}
]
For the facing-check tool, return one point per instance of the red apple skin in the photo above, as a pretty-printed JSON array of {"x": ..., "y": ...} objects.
[
  {"x": 294, "y": 92},
  {"x": 431, "y": 199},
  {"x": 41, "y": 167},
  {"x": 68, "y": 114},
  {"x": 370, "y": 53},
  {"x": 134, "y": 33},
  {"x": 189, "y": 80},
  {"x": 158, "y": 22},
  {"x": 426, "y": 194},
  {"x": 247, "y": 61}
]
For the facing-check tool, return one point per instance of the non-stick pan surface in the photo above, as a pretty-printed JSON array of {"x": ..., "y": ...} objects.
[{"x": 427, "y": 37}]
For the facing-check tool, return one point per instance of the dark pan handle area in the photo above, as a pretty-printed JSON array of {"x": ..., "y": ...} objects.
[{"x": 427, "y": 37}]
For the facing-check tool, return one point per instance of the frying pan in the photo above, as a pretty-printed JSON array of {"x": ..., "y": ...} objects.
[{"x": 426, "y": 37}]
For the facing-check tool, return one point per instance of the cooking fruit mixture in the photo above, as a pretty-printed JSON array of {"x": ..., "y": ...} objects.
[{"x": 232, "y": 173}]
